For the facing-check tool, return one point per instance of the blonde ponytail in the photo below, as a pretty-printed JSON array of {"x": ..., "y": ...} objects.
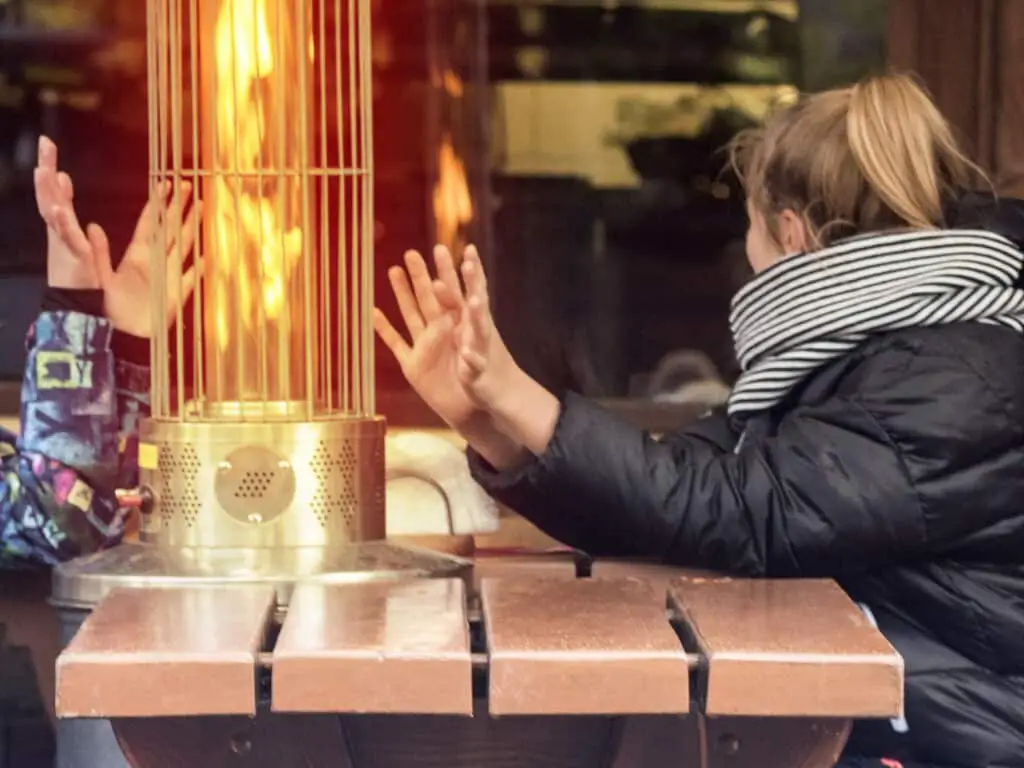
[
  {"x": 905, "y": 148},
  {"x": 876, "y": 156}
]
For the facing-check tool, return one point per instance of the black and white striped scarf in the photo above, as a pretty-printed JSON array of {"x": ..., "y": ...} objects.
[{"x": 812, "y": 308}]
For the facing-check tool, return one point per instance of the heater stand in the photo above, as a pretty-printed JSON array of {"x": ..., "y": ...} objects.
[{"x": 80, "y": 584}]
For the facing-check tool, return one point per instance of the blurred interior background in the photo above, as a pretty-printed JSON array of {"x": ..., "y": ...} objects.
[{"x": 577, "y": 142}]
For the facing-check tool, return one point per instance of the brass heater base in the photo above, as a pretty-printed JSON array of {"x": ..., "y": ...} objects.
[
  {"x": 81, "y": 584},
  {"x": 231, "y": 484},
  {"x": 274, "y": 502}
]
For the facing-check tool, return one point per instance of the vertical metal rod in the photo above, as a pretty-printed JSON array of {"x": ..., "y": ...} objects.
[
  {"x": 152, "y": 46},
  {"x": 159, "y": 214},
  {"x": 366, "y": 254},
  {"x": 355, "y": 338},
  {"x": 262, "y": 373},
  {"x": 218, "y": 201},
  {"x": 342, "y": 257},
  {"x": 283, "y": 346},
  {"x": 199, "y": 193},
  {"x": 324, "y": 272},
  {"x": 177, "y": 215},
  {"x": 236, "y": 202},
  {"x": 308, "y": 295}
]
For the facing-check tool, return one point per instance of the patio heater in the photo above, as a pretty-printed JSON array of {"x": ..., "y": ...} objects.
[{"x": 263, "y": 459}]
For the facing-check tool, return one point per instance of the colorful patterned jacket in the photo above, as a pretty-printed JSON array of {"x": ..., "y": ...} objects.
[{"x": 80, "y": 406}]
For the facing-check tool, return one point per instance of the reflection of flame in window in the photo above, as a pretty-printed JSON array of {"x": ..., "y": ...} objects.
[{"x": 453, "y": 205}]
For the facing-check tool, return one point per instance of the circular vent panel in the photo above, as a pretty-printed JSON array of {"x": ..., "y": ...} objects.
[{"x": 254, "y": 485}]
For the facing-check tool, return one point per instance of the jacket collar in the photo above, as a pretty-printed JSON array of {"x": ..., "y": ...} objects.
[{"x": 984, "y": 210}]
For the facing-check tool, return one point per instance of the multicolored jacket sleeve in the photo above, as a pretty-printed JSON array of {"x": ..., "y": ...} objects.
[{"x": 79, "y": 414}]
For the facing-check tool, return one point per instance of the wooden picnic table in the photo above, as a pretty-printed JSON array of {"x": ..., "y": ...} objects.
[{"x": 527, "y": 664}]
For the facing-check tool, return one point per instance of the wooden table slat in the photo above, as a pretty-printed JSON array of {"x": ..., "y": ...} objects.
[
  {"x": 387, "y": 647},
  {"x": 582, "y": 647},
  {"x": 789, "y": 648},
  {"x": 543, "y": 566},
  {"x": 166, "y": 652}
]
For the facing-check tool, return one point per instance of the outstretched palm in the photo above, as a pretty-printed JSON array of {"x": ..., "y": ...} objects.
[
  {"x": 128, "y": 289},
  {"x": 430, "y": 363},
  {"x": 70, "y": 263}
]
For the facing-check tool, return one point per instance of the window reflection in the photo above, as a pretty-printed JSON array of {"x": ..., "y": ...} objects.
[{"x": 574, "y": 140}]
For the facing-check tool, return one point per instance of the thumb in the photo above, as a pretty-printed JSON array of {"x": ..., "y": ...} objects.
[{"x": 100, "y": 252}]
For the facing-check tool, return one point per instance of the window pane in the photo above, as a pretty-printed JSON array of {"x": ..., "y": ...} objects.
[
  {"x": 574, "y": 140},
  {"x": 613, "y": 240}
]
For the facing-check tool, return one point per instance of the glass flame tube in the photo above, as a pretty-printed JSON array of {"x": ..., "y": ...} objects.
[{"x": 260, "y": 273}]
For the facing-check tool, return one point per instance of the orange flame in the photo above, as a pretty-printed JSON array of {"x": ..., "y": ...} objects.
[
  {"x": 253, "y": 205},
  {"x": 453, "y": 203}
]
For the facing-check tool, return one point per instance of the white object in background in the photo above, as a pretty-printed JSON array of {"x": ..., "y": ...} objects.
[{"x": 430, "y": 491}]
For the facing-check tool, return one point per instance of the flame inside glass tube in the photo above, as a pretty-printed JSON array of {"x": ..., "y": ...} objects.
[{"x": 257, "y": 204}]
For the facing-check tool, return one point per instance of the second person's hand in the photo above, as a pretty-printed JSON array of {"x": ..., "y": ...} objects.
[
  {"x": 128, "y": 289},
  {"x": 432, "y": 313},
  {"x": 485, "y": 367},
  {"x": 518, "y": 407},
  {"x": 430, "y": 362}
]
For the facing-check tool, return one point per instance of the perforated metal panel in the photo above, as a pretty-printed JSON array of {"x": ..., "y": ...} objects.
[
  {"x": 264, "y": 485},
  {"x": 335, "y": 468},
  {"x": 178, "y": 492},
  {"x": 255, "y": 484}
]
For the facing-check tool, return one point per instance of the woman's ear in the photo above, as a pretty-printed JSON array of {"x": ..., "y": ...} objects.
[{"x": 793, "y": 232}]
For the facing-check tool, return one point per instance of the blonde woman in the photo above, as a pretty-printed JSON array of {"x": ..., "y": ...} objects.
[{"x": 876, "y": 434}]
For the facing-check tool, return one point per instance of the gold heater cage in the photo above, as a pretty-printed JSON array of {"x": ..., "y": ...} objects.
[{"x": 263, "y": 431}]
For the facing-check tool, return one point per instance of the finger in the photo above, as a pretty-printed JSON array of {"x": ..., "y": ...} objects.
[
  {"x": 473, "y": 274},
  {"x": 46, "y": 156},
  {"x": 100, "y": 247},
  {"x": 407, "y": 304},
  {"x": 469, "y": 367},
  {"x": 175, "y": 211},
  {"x": 188, "y": 234},
  {"x": 146, "y": 225},
  {"x": 473, "y": 360},
  {"x": 437, "y": 333},
  {"x": 47, "y": 195},
  {"x": 69, "y": 230},
  {"x": 448, "y": 300},
  {"x": 480, "y": 322},
  {"x": 392, "y": 338},
  {"x": 65, "y": 187},
  {"x": 422, "y": 285},
  {"x": 188, "y": 287},
  {"x": 447, "y": 273}
]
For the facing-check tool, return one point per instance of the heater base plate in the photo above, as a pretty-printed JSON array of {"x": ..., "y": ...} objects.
[{"x": 83, "y": 582}]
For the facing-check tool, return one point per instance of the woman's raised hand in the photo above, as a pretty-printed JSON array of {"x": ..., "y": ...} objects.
[
  {"x": 430, "y": 359},
  {"x": 458, "y": 363},
  {"x": 485, "y": 366}
]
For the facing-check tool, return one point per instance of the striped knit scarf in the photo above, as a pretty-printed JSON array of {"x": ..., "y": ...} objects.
[{"x": 813, "y": 308}]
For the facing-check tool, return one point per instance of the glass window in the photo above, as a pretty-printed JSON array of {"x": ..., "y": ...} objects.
[
  {"x": 576, "y": 141},
  {"x": 590, "y": 170}
]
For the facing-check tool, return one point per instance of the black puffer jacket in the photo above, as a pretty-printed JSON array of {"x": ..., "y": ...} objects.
[{"x": 897, "y": 469}]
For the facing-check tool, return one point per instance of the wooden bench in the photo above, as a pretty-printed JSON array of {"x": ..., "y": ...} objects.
[{"x": 535, "y": 668}]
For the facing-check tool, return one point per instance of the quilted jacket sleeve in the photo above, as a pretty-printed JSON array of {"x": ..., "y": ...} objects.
[{"x": 827, "y": 492}]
